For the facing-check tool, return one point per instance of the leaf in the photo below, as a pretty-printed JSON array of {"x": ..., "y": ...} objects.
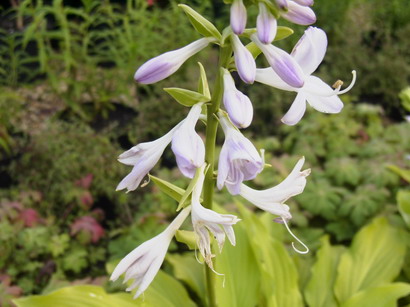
[
  {"x": 187, "y": 237},
  {"x": 403, "y": 173},
  {"x": 190, "y": 271},
  {"x": 386, "y": 296},
  {"x": 186, "y": 97},
  {"x": 375, "y": 258},
  {"x": 319, "y": 290},
  {"x": 403, "y": 201},
  {"x": 168, "y": 188},
  {"x": 200, "y": 23},
  {"x": 283, "y": 32},
  {"x": 203, "y": 86}
]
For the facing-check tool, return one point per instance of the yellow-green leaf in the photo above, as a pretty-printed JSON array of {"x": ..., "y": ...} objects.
[
  {"x": 187, "y": 237},
  {"x": 203, "y": 86},
  {"x": 168, "y": 188},
  {"x": 403, "y": 200},
  {"x": 186, "y": 97}
]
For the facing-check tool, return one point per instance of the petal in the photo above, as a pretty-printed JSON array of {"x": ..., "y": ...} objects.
[
  {"x": 305, "y": 2},
  {"x": 269, "y": 77},
  {"x": 296, "y": 111},
  {"x": 331, "y": 104},
  {"x": 223, "y": 166},
  {"x": 301, "y": 15},
  {"x": 266, "y": 25},
  {"x": 310, "y": 49},
  {"x": 149, "y": 275},
  {"x": 239, "y": 108},
  {"x": 244, "y": 61},
  {"x": 238, "y": 17}
]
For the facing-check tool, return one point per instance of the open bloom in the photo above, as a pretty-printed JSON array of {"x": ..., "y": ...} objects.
[
  {"x": 282, "y": 63},
  {"x": 143, "y": 157},
  {"x": 273, "y": 200},
  {"x": 308, "y": 53},
  {"x": 244, "y": 61},
  {"x": 266, "y": 25},
  {"x": 187, "y": 145},
  {"x": 238, "y": 161},
  {"x": 237, "y": 104},
  {"x": 166, "y": 64},
  {"x": 238, "y": 17},
  {"x": 144, "y": 262},
  {"x": 299, "y": 13},
  {"x": 205, "y": 221}
]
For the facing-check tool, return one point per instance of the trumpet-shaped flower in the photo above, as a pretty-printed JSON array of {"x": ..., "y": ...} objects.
[
  {"x": 237, "y": 104},
  {"x": 205, "y": 221},
  {"x": 143, "y": 157},
  {"x": 282, "y": 63},
  {"x": 308, "y": 53},
  {"x": 238, "y": 161},
  {"x": 266, "y": 25},
  {"x": 166, "y": 64},
  {"x": 187, "y": 145},
  {"x": 238, "y": 17},
  {"x": 143, "y": 263},
  {"x": 244, "y": 61},
  {"x": 299, "y": 13},
  {"x": 272, "y": 200}
]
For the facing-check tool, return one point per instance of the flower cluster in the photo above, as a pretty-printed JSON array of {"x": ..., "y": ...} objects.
[{"x": 239, "y": 160}]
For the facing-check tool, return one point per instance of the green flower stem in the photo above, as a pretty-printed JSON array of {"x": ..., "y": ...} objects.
[{"x": 211, "y": 130}]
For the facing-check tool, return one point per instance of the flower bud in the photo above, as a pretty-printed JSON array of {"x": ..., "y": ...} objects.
[
  {"x": 266, "y": 25},
  {"x": 282, "y": 4},
  {"x": 301, "y": 15},
  {"x": 244, "y": 61},
  {"x": 238, "y": 105},
  {"x": 304, "y": 2},
  {"x": 238, "y": 17},
  {"x": 166, "y": 64}
]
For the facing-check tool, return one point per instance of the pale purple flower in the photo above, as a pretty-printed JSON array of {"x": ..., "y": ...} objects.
[
  {"x": 237, "y": 104},
  {"x": 187, "y": 145},
  {"x": 282, "y": 4},
  {"x": 266, "y": 25},
  {"x": 205, "y": 220},
  {"x": 305, "y": 2},
  {"x": 299, "y": 14},
  {"x": 238, "y": 17},
  {"x": 238, "y": 161},
  {"x": 144, "y": 262},
  {"x": 244, "y": 61},
  {"x": 143, "y": 157},
  {"x": 308, "y": 53},
  {"x": 166, "y": 64},
  {"x": 282, "y": 63}
]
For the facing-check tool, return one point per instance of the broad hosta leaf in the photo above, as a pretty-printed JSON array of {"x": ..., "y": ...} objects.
[
  {"x": 190, "y": 271},
  {"x": 187, "y": 237},
  {"x": 319, "y": 290},
  {"x": 403, "y": 173},
  {"x": 186, "y": 97},
  {"x": 386, "y": 296},
  {"x": 403, "y": 200},
  {"x": 375, "y": 258},
  {"x": 200, "y": 23}
]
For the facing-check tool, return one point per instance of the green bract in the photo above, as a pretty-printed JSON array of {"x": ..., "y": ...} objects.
[{"x": 186, "y": 97}]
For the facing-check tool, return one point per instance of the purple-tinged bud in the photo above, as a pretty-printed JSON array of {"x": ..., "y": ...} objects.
[
  {"x": 282, "y": 4},
  {"x": 238, "y": 17},
  {"x": 282, "y": 63},
  {"x": 305, "y": 2},
  {"x": 245, "y": 63},
  {"x": 266, "y": 25},
  {"x": 301, "y": 15},
  {"x": 238, "y": 105},
  {"x": 187, "y": 145},
  {"x": 166, "y": 64}
]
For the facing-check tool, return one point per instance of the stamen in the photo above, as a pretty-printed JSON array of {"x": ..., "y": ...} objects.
[
  {"x": 350, "y": 85},
  {"x": 297, "y": 239}
]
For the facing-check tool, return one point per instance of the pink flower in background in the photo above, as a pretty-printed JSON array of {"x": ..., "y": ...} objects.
[
  {"x": 30, "y": 217},
  {"x": 88, "y": 225},
  {"x": 85, "y": 182}
]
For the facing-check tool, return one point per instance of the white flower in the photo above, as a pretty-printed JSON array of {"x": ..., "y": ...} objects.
[
  {"x": 205, "y": 221},
  {"x": 144, "y": 262},
  {"x": 300, "y": 13},
  {"x": 187, "y": 145},
  {"x": 238, "y": 161},
  {"x": 237, "y": 104},
  {"x": 244, "y": 61},
  {"x": 308, "y": 53}
]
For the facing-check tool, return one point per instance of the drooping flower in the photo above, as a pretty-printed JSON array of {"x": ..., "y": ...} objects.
[
  {"x": 166, "y": 64},
  {"x": 308, "y": 53},
  {"x": 187, "y": 145},
  {"x": 244, "y": 61},
  {"x": 266, "y": 25},
  {"x": 305, "y": 2},
  {"x": 237, "y": 104},
  {"x": 282, "y": 63},
  {"x": 273, "y": 200},
  {"x": 282, "y": 4},
  {"x": 205, "y": 220},
  {"x": 143, "y": 157},
  {"x": 238, "y": 161},
  {"x": 299, "y": 14},
  {"x": 238, "y": 17},
  {"x": 144, "y": 262}
]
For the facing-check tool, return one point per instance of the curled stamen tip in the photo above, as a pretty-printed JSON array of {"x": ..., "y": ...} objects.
[
  {"x": 299, "y": 251},
  {"x": 350, "y": 85}
]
